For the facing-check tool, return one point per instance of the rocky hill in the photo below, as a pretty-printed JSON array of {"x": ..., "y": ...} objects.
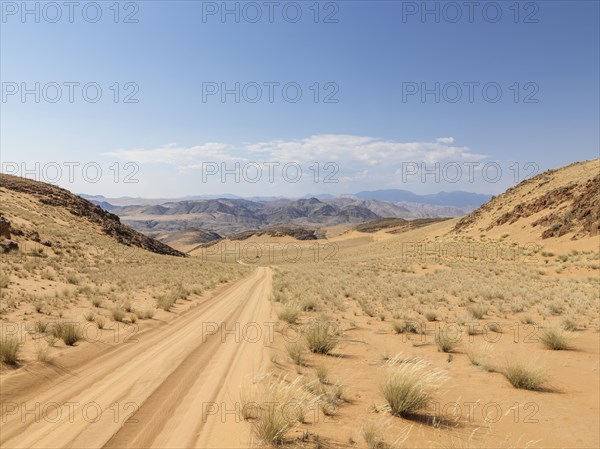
[
  {"x": 63, "y": 200},
  {"x": 564, "y": 201}
]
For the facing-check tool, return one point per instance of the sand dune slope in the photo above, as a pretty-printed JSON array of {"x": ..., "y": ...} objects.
[{"x": 167, "y": 389}]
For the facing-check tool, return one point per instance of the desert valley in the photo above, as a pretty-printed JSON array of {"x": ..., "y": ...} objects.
[{"x": 312, "y": 323}]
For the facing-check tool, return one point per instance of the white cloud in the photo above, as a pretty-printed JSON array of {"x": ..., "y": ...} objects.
[{"x": 353, "y": 153}]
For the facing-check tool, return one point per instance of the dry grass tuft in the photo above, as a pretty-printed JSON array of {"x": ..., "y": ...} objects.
[
  {"x": 320, "y": 337},
  {"x": 525, "y": 377},
  {"x": 556, "y": 339},
  {"x": 409, "y": 388},
  {"x": 9, "y": 349}
]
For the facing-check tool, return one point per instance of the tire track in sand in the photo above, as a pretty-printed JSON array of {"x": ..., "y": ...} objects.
[{"x": 171, "y": 377}]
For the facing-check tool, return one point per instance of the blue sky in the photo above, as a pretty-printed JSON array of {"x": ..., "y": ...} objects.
[{"x": 375, "y": 136}]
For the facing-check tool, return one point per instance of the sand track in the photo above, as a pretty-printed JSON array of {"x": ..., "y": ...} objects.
[{"x": 175, "y": 387}]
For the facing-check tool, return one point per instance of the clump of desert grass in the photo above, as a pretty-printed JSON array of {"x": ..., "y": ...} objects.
[
  {"x": 100, "y": 322},
  {"x": 525, "y": 376},
  {"x": 70, "y": 333},
  {"x": 145, "y": 313},
  {"x": 481, "y": 356},
  {"x": 295, "y": 351},
  {"x": 478, "y": 311},
  {"x": 166, "y": 302},
  {"x": 321, "y": 372},
  {"x": 409, "y": 388},
  {"x": 556, "y": 339},
  {"x": 445, "y": 342},
  {"x": 569, "y": 324},
  {"x": 309, "y": 305},
  {"x": 321, "y": 337},
  {"x": 290, "y": 313},
  {"x": 274, "y": 408},
  {"x": 9, "y": 349},
  {"x": 89, "y": 316},
  {"x": 42, "y": 353},
  {"x": 118, "y": 314}
]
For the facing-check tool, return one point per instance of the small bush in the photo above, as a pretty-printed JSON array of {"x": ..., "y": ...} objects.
[
  {"x": 165, "y": 302},
  {"x": 42, "y": 353},
  {"x": 444, "y": 342},
  {"x": 556, "y": 339},
  {"x": 118, "y": 314},
  {"x": 70, "y": 333},
  {"x": 525, "y": 377},
  {"x": 100, "y": 321},
  {"x": 296, "y": 352},
  {"x": 409, "y": 388},
  {"x": 290, "y": 313},
  {"x": 9, "y": 349},
  {"x": 39, "y": 307},
  {"x": 96, "y": 302},
  {"x": 40, "y": 326},
  {"x": 320, "y": 337},
  {"x": 570, "y": 325},
  {"x": 322, "y": 372},
  {"x": 481, "y": 356},
  {"x": 431, "y": 315},
  {"x": 145, "y": 313},
  {"x": 72, "y": 279},
  {"x": 478, "y": 311},
  {"x": 309, "y": 305},
  {"x": 89, "y": 316},
  {"x": 267, "y": 409}
]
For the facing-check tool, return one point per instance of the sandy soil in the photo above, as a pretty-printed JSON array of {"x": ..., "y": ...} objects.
[{"x": 159, "y": 391}]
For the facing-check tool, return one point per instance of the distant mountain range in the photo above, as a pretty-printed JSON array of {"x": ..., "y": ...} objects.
[{"x": 227, "y": 216}]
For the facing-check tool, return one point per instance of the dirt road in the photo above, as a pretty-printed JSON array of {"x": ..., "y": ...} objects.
[{"x": 176, "y": 387}]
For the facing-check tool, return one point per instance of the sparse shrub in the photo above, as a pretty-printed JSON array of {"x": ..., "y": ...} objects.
[
  {"x": 372, "y": 432},
  {"x": 527, "y": 319},
  {"x": 4, "y": 281},
  {"x": 165, "y": 302},
  {"x": 409, "y": 388},
  {"x": 96, "y": 302},
  {"x": 70, "y": 333},
  {"x": 398, "y": 327},
  {"x": 9, "y": 349},
  {"x": 320, "y": 337},
  {"x": 90, "y": 315},
  {"x": 494, "y": 327},
  {"x": 41, "y": 353},
  {"x": 40, "y": 326},
  {"x": 525, "y": 377},
  {"x": 267, "y": 409},
  {"x": 100, "y": 321},
  {"x": 72, "y": 279},
  {"x": 321, "y": 372},
  {"x": 478, "y": 311},
  {"x": 118, "y": 314},
  {"x": 127, "y": 307},
  {"x": 431, "y": 315},
  {"x": 556, "y": 339},
  {"x": 290, "y": 313},
  {"x": 145, "y": 313},
  {"x": 569, "y": 324},
  {"x": 309, "y": 305},
  {"x": 444, "y": 342},
  {"x": 296, "y": 352},
  {"x": 481, "y": 356},
  {"x": 39, "y": 307}
]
